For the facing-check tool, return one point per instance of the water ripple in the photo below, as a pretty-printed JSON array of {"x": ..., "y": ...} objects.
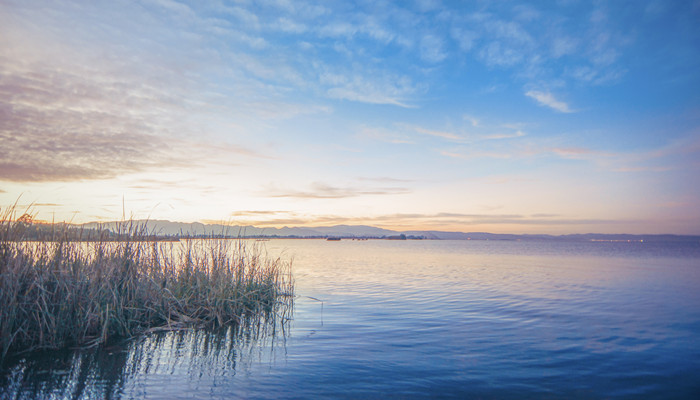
[{"x": 441, "y": 319}]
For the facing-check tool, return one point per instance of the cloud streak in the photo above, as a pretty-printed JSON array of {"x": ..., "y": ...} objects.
[
  {"x": 407, "y": 221},
  {"x": 69, "y": 113},
  {"x": 319, "y": 190},
  {"x": 547, "y": 99},
  {"x": 391, "y": 90},
  {"x": 57, "y": 125}
]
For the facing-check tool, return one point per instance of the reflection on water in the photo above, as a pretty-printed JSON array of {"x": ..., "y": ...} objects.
[
  {"x": 144, "y": 366},
  {"x": 425, "y": 319}
]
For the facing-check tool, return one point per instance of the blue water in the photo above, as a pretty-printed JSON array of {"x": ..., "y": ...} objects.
[{"x": 427, "y": 319}]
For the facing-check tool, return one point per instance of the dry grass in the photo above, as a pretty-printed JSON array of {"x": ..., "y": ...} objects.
[{"x": 56, "y": 293}]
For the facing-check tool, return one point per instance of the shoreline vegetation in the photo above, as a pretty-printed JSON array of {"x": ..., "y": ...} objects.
[{"x": 59, "y": 289}]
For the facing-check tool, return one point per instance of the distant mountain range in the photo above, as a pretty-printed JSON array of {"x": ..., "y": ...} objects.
[{"x": 169, "y": 228}]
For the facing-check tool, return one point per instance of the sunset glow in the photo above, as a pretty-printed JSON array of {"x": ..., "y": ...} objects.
[{"x": 504, "y": 117}]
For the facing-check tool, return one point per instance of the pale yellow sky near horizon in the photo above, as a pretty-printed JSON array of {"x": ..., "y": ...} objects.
[{"x": 502, "y": 117}]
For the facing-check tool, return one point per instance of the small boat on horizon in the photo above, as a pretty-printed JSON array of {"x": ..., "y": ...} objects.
[{"x": 333, "y": 239}]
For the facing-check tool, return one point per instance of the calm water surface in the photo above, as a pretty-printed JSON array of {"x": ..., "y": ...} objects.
[{"x": 427, "y": 319}]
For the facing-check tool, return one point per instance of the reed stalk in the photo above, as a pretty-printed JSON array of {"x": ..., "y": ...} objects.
[{"x": 58, "y": 292}]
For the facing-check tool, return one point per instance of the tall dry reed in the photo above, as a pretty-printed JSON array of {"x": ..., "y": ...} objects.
[{"x": 57, "y": 292}]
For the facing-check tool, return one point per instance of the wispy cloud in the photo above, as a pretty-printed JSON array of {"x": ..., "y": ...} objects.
[
  {"x": 319, "y": 190},
  {"x": 460, "y": 219},
  {"x": 464, "y": 38},
  {"x": 388, "y": 89},
  {"x": 644, "y": 169},
  {"x": 548, "y": 99},
  {"x": 576, "y": 152},
  {"x": 410, "y": 221},
  {"x": 69, "y": 113},
  {"x": 385, "y": 179},
  {"x": 474, "y": 154},
  {"x": 453, "y": 154},
  {"x": 499, "y": 54},
  {"x": 509, "y": 135},
  {"x": 413, "y": 221},
  {"x": 431, "y": 49},
  {"x": 473, "y": 121},
  {"x": 218, "y": 150},
  {"x": 88, "y": 125},
  {"x": 257, "y": 213},
  {"x": 64, "y": 136},
  {"x": 474, "y": 132},
  {"x": 441, "y": 134},
  {"x": 496, "y": 146},
  {"x": 268, "y": 218},
  {"x": 279, "y": 222},
  {"x": 395, "y": 136},
  {"x": 563, "y": 46},
  {"x": 508, "y": 43},
  {"x": 290, "y": 26},
  {"x": 678, "y": 154}
]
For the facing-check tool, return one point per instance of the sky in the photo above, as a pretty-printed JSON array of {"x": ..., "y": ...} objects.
[{"x": 501, "y": 116}]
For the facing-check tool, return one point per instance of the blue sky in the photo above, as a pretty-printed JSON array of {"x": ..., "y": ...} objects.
[{"x": 542, "y": 117}]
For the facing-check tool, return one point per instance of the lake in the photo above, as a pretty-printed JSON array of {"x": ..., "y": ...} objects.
[{"x": 425, "y": 319}]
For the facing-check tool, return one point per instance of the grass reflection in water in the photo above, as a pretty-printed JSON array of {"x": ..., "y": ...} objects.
[{"x": 111, "y": 371}]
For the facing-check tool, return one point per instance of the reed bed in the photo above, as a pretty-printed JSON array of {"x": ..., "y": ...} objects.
[{"x": 57, "y": 292}]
